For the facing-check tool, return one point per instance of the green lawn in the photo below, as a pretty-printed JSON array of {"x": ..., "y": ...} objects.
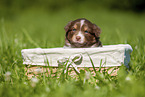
[{"x": 40, "y": 28}]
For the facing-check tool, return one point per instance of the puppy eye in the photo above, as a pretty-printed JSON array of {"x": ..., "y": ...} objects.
[
  {"x": 74, "y": 30},
  {"x": 86, "y": 32}
]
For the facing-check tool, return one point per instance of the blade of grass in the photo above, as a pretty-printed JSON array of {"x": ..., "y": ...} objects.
[
  {"x": 92, "y": 64},
  {"x": 100, "y": 65},
  {"x": 113, "y": 69},
  {"x": 67, "y": 68},
  {"x": 29, "y": 38},
  {"x": 4, "y": 35}
]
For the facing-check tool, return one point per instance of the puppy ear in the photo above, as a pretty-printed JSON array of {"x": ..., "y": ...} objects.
[
  {"x": 96, "y": 30},
  {"x": 67, "y": 26}
]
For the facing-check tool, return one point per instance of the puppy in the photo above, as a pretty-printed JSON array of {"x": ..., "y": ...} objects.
[{"x": 81, "y": 33}]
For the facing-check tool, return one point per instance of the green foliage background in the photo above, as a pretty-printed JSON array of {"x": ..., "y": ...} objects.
[{"x": 28, "y": 24}]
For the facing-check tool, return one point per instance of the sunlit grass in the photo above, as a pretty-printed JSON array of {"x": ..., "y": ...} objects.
[{"x": 40, "y": 28}]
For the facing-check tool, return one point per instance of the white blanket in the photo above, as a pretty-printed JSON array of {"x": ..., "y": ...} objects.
[{"x": 106, "y": 56}]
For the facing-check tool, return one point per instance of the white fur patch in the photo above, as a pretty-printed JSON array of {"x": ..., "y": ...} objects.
[
  {"x": 82, "y": 23},
  {"x": 82, "y": 37}
]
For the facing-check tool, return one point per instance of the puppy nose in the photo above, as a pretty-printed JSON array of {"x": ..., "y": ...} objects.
[{"x": 78, "y": 38}]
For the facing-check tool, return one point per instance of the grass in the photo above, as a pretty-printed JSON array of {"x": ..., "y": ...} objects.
[{"x": 40, "y": 28}]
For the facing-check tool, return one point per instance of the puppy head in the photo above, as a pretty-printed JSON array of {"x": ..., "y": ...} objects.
[{"x": 81, "y": 33}]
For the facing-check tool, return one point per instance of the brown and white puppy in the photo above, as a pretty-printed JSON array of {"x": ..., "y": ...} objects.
[{"x": 81, "y": 33}]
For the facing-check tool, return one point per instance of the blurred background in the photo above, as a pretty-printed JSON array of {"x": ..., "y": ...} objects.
[
  {"x": 26, "y": 24},
  {"x": 14, "y": 6},
  {"x": 41, "y": 22}
]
